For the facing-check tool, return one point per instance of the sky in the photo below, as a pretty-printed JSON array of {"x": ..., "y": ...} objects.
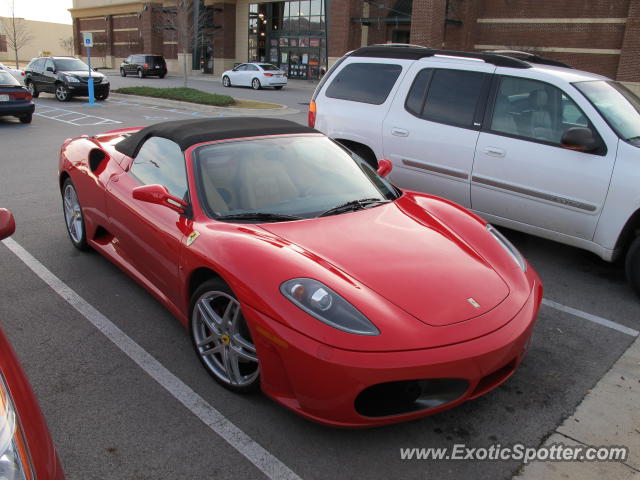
[{"x": 43, "y": 10}]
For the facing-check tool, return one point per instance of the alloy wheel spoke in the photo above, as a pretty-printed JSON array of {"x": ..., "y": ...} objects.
[
  {"x": 208, "y": 340},
  {"x": 243, "y": 352},
  {"x": 230, "y": 360},
  {"x": 209, "y": 316},
  {"x": 210, "y": 351}
]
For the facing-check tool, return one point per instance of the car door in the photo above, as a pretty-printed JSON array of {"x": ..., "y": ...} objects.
[
  {"x": 151, "y": 235},
  {"x": 523, "y": 174},
  {"x": 48, "y": 76},
  {"x": 126, "y": 64},
  {"x": 37, "y": 72},
  {"x": 253, "y": 72},
  {"x": 431, "y": 130},
  {"x": 242, "y": 75}
]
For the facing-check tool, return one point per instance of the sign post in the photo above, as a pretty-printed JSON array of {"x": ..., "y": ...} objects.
[{"x": 87, "y": 40}]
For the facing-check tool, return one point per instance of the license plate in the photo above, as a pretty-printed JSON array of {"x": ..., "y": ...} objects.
[
  {"x": 4, "y": 98},
  {"x": 157, "y": 66}
]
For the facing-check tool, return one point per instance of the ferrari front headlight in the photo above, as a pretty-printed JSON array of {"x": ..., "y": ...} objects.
[
  {"x": 14, "y": 457},
  {"x": 508, "y": 246},
  {"x": 324, "y": 304}
]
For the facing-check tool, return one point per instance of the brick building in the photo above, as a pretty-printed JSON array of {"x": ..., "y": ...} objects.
[{"x": 306, "y": 36}]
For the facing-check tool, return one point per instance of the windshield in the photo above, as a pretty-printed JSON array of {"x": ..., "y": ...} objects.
[
  {"x": 267, "y": 66},
  {"x": 619, "y": 106},
  {"x": 7, "y": 79},
  {"x": 70, "y": 65},
  {"x": 299, "y": 176}
]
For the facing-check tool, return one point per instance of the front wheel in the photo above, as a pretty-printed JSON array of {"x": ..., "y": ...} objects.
[
  {"x": 226, "y": 82},
  {"x": 102, "y": 96},
  {"x": 73, "y": 216},
  {"x": 32, "y": 89},
  {"x": 222, "y": 339},
  {"x": 632, "y": 265},
  {"x": 62, "y": 93},
  {"x": 26, "y": 118},
  {"x": 123, "y": 73},
  {"x": 255, "y": 84}
]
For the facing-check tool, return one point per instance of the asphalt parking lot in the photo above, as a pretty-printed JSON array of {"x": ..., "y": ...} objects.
[{"x": 110, "y": 419}]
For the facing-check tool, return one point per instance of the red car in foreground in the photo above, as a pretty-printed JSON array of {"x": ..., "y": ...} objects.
[
  {"x": 26, "y": 449},
  {"x": 299, "y": 269}
]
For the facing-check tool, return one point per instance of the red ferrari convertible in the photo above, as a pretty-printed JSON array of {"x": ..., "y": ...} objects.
[
  {"x": 26, "y": 448},
  {"x": 299, "y": 269}
]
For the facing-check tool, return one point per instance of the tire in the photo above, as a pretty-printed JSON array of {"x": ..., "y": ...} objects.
[
  {"x": 102, "y": 96},
  {"x": 32, "y": 89},
  {"x": 73, "y": 216},
  {"x": 26, "y": 118},
  {"x": 140, "y": 73},
  {"x": 161, "y": 76},
  {"x": 223, "y": 334},
  {"x": 62, "y": 93},
  {"x": 255, "y": 84},
  {"x": 279, "y": 87},
  {"x": 226, "y": 82},
  {"x": 632, "y": 265},
  {"x": 123, "y": 73}
]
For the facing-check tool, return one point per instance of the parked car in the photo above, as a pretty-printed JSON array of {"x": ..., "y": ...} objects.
[
  {"x": 525, "y": 143},
  {"x": 26, "y": 449},
  {"x": 65, "y": 77},
  {"x": 16, "y": 73},
  {"x": 144, "y": 65},
  {"x": 298, "y": 268},
  {"x": 15, "y": 100},
  {"x": 255, "y": 75}
]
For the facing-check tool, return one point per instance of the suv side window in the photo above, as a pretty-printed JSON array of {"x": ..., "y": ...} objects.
[
  {"x": 49, "y": 63},
  {"x": 364, "y": 82},
  {"x": 160, "y": 161},
  {"x": 447, "y": 96},
  {"x": 534, "y": 110}
]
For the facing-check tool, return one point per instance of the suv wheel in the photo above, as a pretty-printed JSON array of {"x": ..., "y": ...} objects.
[
  {"x": 62, "y": 93},
  {"x": 255, "y": 84},
  {"x": 140, "y": 73},
  {"x": 632, "y": 265},
  {"x": 122, "y": 72},
  {"x": 32, "y": 89}
]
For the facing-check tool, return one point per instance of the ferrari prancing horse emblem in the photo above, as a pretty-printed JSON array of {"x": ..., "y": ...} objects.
[
  {"x": 192, "y": 237},
  {"x": 473, "y": 302}
]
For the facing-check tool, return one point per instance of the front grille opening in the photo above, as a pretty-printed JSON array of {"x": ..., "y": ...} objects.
[
  {"x": 397, "y": 398},
  {"x": 491, "y": 381}
]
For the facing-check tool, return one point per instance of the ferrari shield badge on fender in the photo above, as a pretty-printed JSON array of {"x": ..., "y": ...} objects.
[
  {"x": 192, "y": 237},
  {"x": 472, "y": 301}
]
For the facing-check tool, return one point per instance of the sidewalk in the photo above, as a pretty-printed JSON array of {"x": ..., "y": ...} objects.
[{"x": 609, "y": 415}]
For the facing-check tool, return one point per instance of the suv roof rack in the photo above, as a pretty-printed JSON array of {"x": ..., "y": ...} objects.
[
  {"x": 529, "y": 57},
  {"x": 418, "y": 52}
]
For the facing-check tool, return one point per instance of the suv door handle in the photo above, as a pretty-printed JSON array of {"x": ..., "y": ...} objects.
[
  {"x": 399, "y": 132},
  {"x": 495, "y": 151}
]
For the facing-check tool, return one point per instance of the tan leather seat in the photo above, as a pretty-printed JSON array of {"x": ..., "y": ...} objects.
[{"x": 263, "y": 183}]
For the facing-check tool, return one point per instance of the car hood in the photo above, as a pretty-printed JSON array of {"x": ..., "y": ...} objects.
[
  {"x": 416, "y": 263},
  {"x": 83, "y": 74}
]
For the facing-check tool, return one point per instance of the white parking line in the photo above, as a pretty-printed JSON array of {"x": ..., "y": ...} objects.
[
  {"x": 256, "y": 454},
  {"x": 80, "y": 119},
  {"x": 592, "y": 318}
]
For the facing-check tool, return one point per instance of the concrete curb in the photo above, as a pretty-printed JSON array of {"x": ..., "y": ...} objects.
[
  {"x": 196, "y": 107},
  {"x": 609, "y": 415}
]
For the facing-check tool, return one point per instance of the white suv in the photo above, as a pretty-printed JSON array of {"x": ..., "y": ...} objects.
[{"x": 527, "y": 144}]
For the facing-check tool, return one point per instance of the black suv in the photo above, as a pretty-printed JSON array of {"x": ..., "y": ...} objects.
[
  {"x": 144, "y": 65},
  {"x": 65, "y": 77}
]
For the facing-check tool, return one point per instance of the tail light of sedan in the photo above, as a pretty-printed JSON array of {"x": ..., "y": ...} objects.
[
  {"x": 21, "y": 96},
  {"x": 268, "y": 74}
]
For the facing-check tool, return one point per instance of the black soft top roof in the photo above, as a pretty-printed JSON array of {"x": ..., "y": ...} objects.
[{"x": 191, "y": 132}]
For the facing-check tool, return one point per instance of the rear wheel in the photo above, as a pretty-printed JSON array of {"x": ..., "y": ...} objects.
[
  {"x": 122, "y": 72},
  {"x": 32, "y": 89},
  {"x": 161, "y": 75},
  {"x": 140, "y": 73},
  {"x": 226, "y": 82},
  {"x": 62, "y": 93},
  {"x": 73, "y": 216},
  {"x": 255, "y": 84},
  {"x": 26, "y": 118},
  {"x": 222, "y": 339},
  {"x": 632, "y": 265}
]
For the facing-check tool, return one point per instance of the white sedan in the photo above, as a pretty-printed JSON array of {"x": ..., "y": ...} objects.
[
  {"x": 17, "y": 74},
  {"x": 255, "y": 75}
]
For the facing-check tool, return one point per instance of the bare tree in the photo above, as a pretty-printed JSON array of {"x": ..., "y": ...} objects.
[
  {"x": 66, "y": 44},
  {"x": 15, "y": 30}
]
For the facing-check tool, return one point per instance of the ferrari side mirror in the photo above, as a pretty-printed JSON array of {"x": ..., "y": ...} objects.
[
  {"x": 384, "y": 167},
  {"x": 159, "y": 195}
]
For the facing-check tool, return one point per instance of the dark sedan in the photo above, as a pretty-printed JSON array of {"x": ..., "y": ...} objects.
[{"x": 15, "y": 100}]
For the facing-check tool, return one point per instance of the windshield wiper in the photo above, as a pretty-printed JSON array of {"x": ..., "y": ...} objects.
[
  {"x": 353, "y": 205},
  {"x": 276, "y": 217}
]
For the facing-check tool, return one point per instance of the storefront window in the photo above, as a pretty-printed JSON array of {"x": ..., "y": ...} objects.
[{"x": 290, "y": 34}]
